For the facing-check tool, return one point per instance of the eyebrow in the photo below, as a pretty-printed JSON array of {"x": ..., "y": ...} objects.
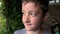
[
  {"x": 34, "y": 11},
  {"x": 31, "y": 11}
]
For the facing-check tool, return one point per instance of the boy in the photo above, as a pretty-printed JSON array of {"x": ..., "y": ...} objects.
[{"x": 34, "y": 13}]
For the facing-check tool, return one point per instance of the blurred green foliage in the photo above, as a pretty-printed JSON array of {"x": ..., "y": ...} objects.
[
  {"x": 11, "y": 16},
  {"x": 2, "y": 18}
]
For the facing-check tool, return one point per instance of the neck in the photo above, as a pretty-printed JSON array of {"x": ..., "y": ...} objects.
[{"x": 38, "y": 31}]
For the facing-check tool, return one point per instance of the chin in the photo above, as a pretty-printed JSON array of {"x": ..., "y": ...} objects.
[{"x": 30, "y": 29}]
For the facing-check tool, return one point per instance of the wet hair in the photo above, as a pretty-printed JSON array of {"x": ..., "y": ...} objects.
[{"x": 42, "y": 3}]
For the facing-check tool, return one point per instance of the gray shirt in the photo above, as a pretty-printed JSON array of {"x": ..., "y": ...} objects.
[{"x": 23, "y": 31}]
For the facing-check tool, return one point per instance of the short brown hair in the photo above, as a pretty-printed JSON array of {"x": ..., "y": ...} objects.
[{"x": 44, "y": 4}]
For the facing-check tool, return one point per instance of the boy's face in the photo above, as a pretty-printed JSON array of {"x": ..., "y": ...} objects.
[{"x": 32, "y": 16}]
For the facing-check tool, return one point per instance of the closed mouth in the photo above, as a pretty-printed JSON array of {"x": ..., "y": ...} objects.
[{"x": 29, "y": 24}]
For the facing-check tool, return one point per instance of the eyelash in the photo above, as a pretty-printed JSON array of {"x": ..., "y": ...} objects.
[{"x": 33, "y": 14}]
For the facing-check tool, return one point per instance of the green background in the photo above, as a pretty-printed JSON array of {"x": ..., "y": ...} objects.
[{"x": 10, "y": 16}]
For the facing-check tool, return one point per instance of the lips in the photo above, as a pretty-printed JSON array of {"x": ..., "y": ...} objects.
[{"x": 28, "y": 24}]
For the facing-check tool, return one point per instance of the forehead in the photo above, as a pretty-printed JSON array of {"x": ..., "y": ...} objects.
[
  {"x": 30, "y": 6},
  {"x": 28, "y": 3}
]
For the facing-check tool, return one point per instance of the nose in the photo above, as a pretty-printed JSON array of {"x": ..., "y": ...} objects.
[{"x": 27, "y": 18}]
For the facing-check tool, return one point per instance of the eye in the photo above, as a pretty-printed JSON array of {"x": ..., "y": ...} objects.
[
  {"x": 22, "y": 13},
  {"x": 33, "y": 14}
]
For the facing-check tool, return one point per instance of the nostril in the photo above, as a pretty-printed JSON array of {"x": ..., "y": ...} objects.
[{"x": 27, "y": 21}]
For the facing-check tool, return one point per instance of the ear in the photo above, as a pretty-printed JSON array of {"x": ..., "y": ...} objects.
[{"x": 46, "y": 16}]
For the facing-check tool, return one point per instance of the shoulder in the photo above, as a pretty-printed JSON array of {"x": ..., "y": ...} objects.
[
  {"x": 22, "y": 31},
  {"x": 47, "y": 32}
]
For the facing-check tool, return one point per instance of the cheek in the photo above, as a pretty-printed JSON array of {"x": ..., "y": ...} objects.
[
  {"x": 36, "y": 20},
  {"x": 23, "y": 19}
]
